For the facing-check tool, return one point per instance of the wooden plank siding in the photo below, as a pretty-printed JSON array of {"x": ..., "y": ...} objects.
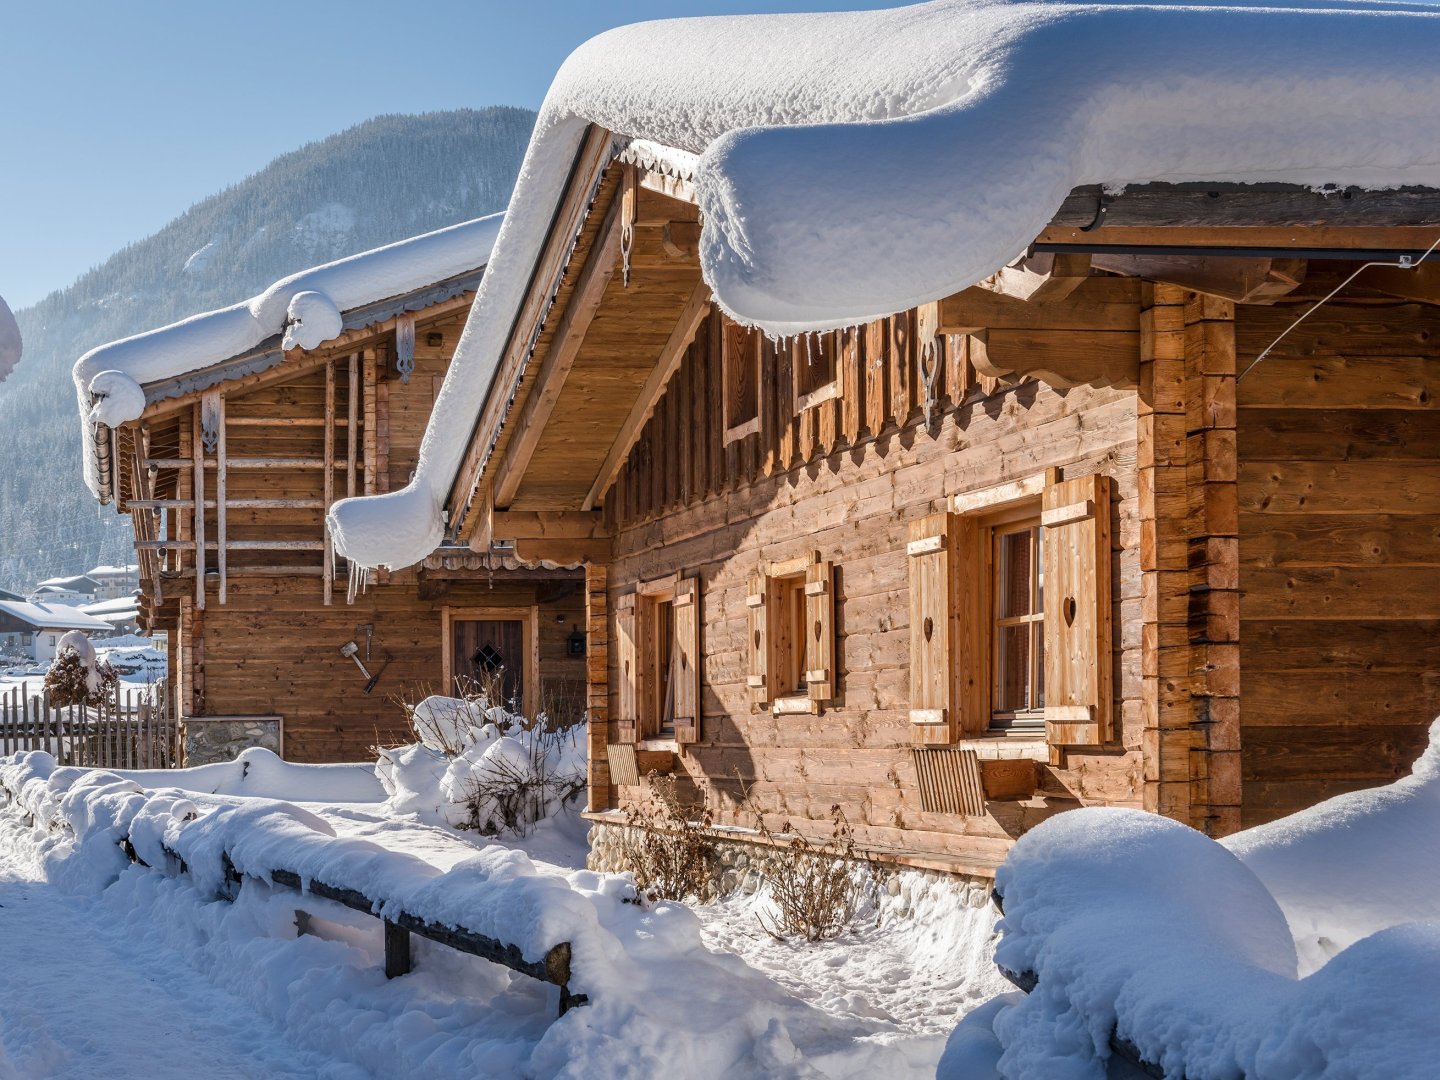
[
  {"x": 1339, "y": 517},
  {"x": 273, "y": 646},
  {"x": 833, "y": 486}
]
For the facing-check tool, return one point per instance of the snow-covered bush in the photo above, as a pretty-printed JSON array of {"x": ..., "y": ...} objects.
[
  {"x": 77, "y": 676},
  {"x": 478, "y": 766}
]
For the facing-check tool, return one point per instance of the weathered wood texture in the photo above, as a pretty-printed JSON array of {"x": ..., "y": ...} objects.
[
  {"x": 846, "y": 478},
  {"x": 1338, "y": 493}
]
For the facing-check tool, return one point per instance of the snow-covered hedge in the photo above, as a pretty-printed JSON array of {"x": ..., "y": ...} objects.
[
  {"x": 1139, "y": 928},
  {"x": 478, "y": 766}
]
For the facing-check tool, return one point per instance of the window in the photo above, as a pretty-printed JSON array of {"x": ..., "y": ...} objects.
[
  {"x": 1017, "y": 638},
  {"x": 657, "y": 636},
  {"x": 740, "y": 363},
  {"x": 791, "y": 639},
  {"x": 1010, "y": 614},
  {"x": 816, "y": 367}
]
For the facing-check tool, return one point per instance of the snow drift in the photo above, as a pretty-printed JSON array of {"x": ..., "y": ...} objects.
[
  {"x": 1140, "y": 928},
  {"x": 853, "y": 165}
]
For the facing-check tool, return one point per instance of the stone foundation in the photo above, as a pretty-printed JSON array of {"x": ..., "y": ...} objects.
[
  {"x": 741, "y": 866},
  {"x": 206, "y": 739}
]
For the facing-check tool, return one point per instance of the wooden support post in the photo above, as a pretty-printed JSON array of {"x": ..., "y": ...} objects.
[
  {"x": 597, "y": 683},
  {"x": 352, "y": 419},
  {"x": 328, "y": 572},
  {"x": 398, "y": 960},
  {"x": 197, "y": 466},
  {"x": 220, "y": 470},
  {"x": 369, "y": 368}
]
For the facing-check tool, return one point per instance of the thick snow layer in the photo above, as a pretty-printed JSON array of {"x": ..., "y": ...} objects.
[
  {"x": 1354, "y": 864},
  {"x": 305, "y": 307},
  {"x": 1187, "y": 948},
  {"x": 260, "y": 773},
  {"x": 662, "y": 1003},
  {"x": 853, "y": 165}
]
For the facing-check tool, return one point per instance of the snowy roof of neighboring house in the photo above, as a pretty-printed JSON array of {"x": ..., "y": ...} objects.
[
  {"x": 43, "y": 617},
  {"x": 120, "y": 605},
  {"x": 114, "y": 571},
  {"x": 303, "y": 311},
  {"x": 851, "y": 165},
  {"x": 75, "y": 583},
  {"x": 6, "y": 594}
]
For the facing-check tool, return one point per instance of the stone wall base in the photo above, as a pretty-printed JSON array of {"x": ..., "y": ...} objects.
[{"x": 206, "y": 739}]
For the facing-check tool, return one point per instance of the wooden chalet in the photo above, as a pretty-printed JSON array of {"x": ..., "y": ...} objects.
[
  {"x": 227, "y": 477},
  {"x": 1033, "y": 546}
]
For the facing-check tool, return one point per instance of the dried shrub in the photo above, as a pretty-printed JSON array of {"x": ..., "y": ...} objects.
[
  {"x": 666, "y": 844},
  {"x": 68, "y": 681},
  {"x": 817, "y": 886}
]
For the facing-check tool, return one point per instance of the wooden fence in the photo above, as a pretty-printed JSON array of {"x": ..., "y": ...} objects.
[{"x": 134, "y": 729}]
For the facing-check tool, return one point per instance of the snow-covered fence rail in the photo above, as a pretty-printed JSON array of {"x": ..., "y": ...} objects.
[{"x": 132, "y": 729}]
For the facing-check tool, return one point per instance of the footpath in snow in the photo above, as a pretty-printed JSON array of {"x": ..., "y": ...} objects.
[{"x": 78, "y": 999}]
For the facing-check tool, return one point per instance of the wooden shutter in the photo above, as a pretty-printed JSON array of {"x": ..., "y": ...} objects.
[
  {"x": 820, "y": 632},
  {"x": 757, "y": 641},
  {"x": 627, "y": 671},
  {"x": 933, "y": 656},
  {"x": 948, "y": 659},
  {"x": 686, "y": 658},
  {"x": 1079, "y": 701}
]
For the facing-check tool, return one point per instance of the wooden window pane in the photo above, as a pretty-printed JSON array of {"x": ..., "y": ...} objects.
[
  {"x": 1012, "y": 692},
  {"x": 1014, "y": 589}
]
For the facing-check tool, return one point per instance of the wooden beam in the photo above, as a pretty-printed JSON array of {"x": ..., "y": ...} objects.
[
  {"x": 547, "y": 525},
  {"x": 1418, "y": 283},
  {"x": 1097, "y": 303},
  {"x": 1040, "y": 279},
  {"x": 328, "y": 578},
  {"x": 1243, "y": 280},
  {"x": 220, "y": 480},
  {"x": 686, "y": 326},
  {"x": 564, "y": 552},
  {"x": 351, "y": 434},
  {"x": 1059, "y": 358},
  {"x": 368, "y": 368},
  {"x": 560, "y": 358},
  {"x": 197, "y": 468}
]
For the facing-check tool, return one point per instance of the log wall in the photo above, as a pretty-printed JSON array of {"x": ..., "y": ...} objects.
[
  {"x": 1339, "y": 492},
  {"x": 825, "y": 480}
]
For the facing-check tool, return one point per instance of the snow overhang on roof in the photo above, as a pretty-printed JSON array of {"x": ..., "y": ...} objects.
[
  {"x": 849, "y": 166},
  {"x": 43, "y": 617},
  {"x": 115, "y": 382}
]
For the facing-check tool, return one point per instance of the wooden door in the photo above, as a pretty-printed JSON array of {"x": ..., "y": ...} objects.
[{"x": 486, "y": 650}]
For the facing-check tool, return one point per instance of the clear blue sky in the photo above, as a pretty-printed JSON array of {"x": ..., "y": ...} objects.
[{"x": 117, "y": 116}]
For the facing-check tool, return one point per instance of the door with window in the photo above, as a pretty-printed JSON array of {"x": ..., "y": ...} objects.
[{"x": 488, "y": 655}]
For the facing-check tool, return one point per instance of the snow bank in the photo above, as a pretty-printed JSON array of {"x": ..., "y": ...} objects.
[
  {"x": 1138, "y": 927},
  {"x": 662, "y": 1004},
  {"x": 260, "y": 773},
  {"x": 305, "y": 307},
  {"x": 853, "y": 165},
  {"x": 1354, "y": 864},
  {"x": 479, "y": 767}
]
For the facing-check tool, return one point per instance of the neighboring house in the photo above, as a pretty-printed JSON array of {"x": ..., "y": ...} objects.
[
  {"x": 264, "y": 415},
  {"x": 6, "y": 594},
  {"x": 115, "y": 581},
  {"x": 74, "y": 591},
  {"x": 122, "y": 614},
  {"x": 34, "y": 629},
  {"x": 952, "y": 544}
]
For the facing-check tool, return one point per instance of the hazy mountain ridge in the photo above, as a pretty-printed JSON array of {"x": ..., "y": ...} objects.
[{"x": 381, "y": 181}]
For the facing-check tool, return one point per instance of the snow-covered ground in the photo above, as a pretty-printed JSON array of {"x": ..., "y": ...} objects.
[{"x": 675, "y": 990}]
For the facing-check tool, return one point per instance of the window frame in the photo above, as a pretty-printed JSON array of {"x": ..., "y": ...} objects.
[
  {"x": 800, "y": 675},
  {"x": 651, "y": 645},
  {"x": 1023, "y": 516}
]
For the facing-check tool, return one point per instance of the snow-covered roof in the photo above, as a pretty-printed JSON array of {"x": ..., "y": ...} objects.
[
  {"x": 851, "y": 165},
  {"x": 114, "y": 571},
  {"x": 76, "y": 583},
  {"x": 120, "y": 605},
  {"x": 44, "y": 617},
  {"x": 306, "y": 309}
]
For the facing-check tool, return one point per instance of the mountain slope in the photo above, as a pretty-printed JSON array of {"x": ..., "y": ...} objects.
[{"x": 381, "y": 181}]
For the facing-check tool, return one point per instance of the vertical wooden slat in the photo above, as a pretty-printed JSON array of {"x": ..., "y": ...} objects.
[
  {"x": 352, "y": 419},
  {"x": 197, "y": 468},
  {"x": 328, "y": 570},
  {"x": 687, "y": 661},
  {"x": 902, "y": 367},
  {"x": 877, "y": 376},
  {"x": 369, "y": 365},
  {"x": 220, "y": 483}
]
